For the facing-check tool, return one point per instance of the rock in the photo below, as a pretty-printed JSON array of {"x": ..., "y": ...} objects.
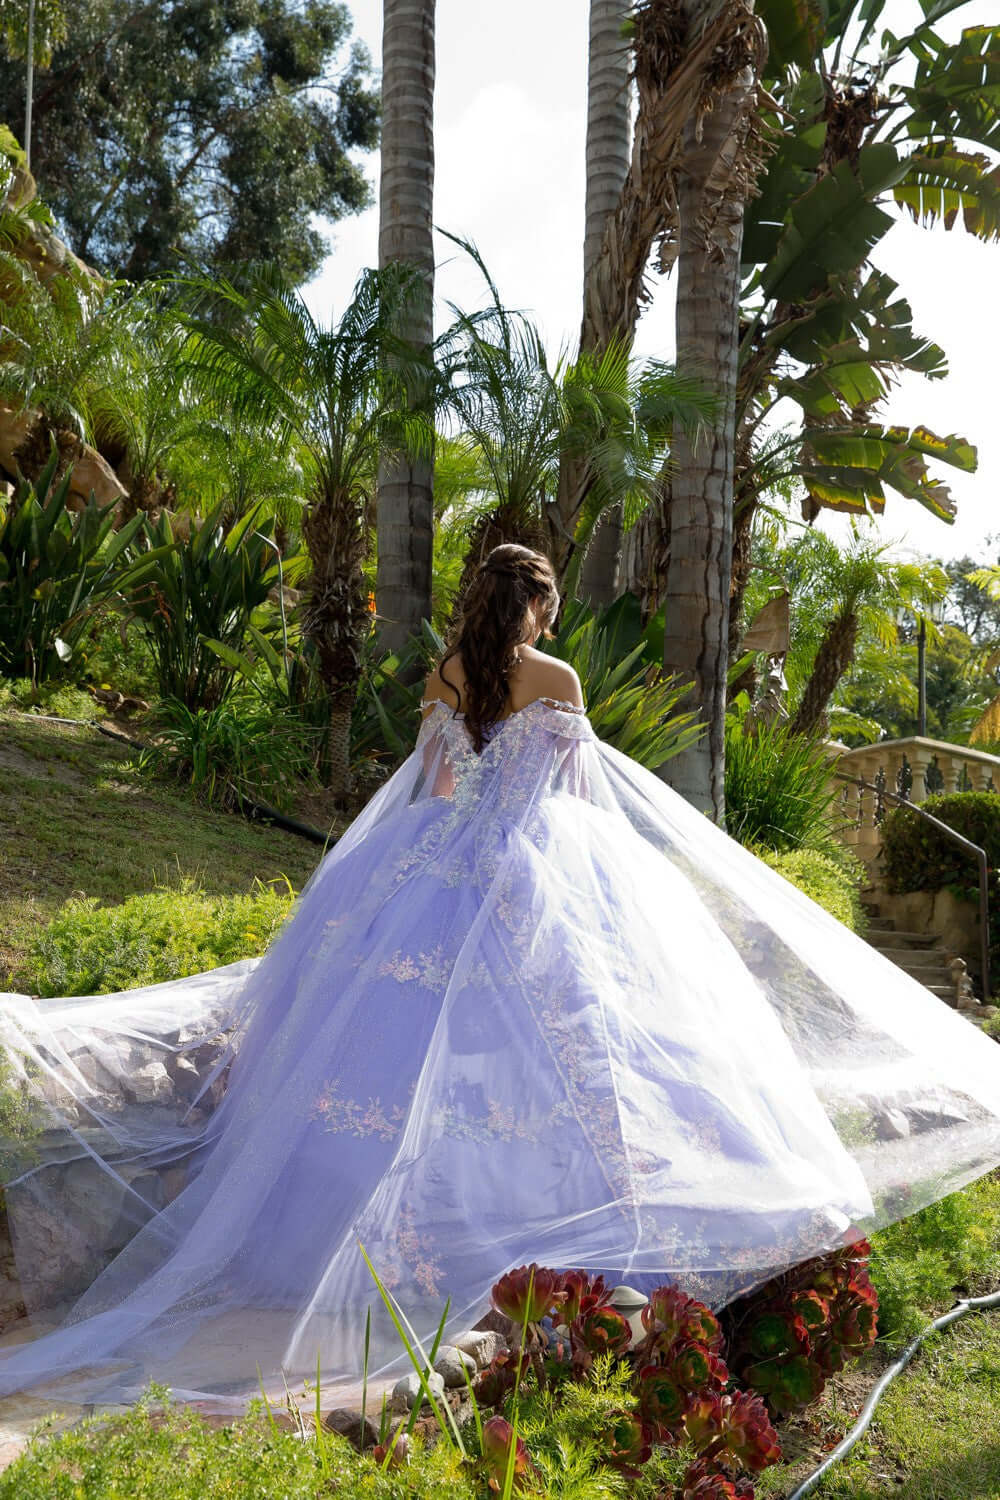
[
  {"x": 348, "y": 1424},
  {"x": 149, "y": 1084},
  {"x": 497, "y": 1322},
  {"x": 890, "y": 1124},
  {"x": 187, "y": 1079},
  {"x": 408, "y": 1393},
  {"x": 451, "y": 1363},
  {"x": 482, "y": 1344}
]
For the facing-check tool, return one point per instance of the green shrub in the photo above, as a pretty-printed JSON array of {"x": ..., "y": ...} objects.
[
  {"x": 918, "y": 857},
  {"x": 61, "y": 699},
  {"x": 918, "y": 1263},
  {"x": 241, "y": 748},
  {"x": 831, "y": 883},
  {"x": 158, "y": 1451},
  {"x": 116, "y": 654},
  {"x": 779, "y": 794},
  {"x": 164, "y": 934}
]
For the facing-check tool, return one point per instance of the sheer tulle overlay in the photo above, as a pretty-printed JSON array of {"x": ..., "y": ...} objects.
[{"x": 532, "y": 1006}]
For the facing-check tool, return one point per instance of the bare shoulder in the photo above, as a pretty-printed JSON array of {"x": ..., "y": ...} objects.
[
  {"x": 436, "y": 686},
  {"x": 543, "y": 676}
]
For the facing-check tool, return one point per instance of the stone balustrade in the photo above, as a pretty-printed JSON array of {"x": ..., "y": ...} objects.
[{"x": 914, "y": 768}]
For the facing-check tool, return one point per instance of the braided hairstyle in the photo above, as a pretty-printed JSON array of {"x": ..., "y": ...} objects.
[{"x": 491, "y": 625}]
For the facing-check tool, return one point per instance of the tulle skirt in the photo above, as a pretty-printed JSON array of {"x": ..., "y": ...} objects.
[{"x": 532, "y": 1007}]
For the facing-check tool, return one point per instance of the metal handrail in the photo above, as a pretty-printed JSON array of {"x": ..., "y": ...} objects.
[{"x": 968, "y": 845}]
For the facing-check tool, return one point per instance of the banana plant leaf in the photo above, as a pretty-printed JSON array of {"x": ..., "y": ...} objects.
[{"x": 833, "y": 226}]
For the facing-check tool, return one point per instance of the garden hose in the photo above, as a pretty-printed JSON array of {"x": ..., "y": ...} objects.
[
  {"x": 254, "y": 812},
  {"x": 961, "y": 1309}
]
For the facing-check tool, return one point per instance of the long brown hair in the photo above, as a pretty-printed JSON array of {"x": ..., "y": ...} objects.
[{"x": 489, "y": 628}]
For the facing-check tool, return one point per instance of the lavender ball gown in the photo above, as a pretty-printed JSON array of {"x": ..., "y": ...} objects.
[{"x": 533, "y": 1005}]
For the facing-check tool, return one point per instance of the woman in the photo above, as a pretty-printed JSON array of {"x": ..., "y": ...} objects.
[{"x": 532, "y": 1006}]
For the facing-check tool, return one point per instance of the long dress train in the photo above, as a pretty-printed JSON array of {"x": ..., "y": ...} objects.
[{"x": 532, "y": 1006}]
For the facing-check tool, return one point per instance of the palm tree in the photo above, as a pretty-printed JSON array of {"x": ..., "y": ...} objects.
[
  {"x": 334, "y": 392},
  {"x": 524, "y": 417},
  {"x": 715, "y": 173},
  {"x": 608, "y": 151},
  {"x": 847, "y": 595},
  {"x": 405, "y": 505}
]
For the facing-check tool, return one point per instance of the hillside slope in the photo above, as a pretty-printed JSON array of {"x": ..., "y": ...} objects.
[{"x": 74, "y": 820}]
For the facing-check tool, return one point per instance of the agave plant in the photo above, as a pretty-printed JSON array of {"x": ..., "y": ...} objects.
[
  {"x": 196, "y": 598},
  {"x": 55, "y": 568}
]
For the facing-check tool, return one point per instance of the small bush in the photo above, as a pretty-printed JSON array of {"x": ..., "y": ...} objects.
[
  {"x": 829, "y": 882},
  {"x": 779, "y": 794},
  {"x": 918, "y": 1263},
  {"x": 62, "y": 700},
  {"x": 164, "y": 934},
  {"x": 161, "y": 1452},
  {"x": 241, "y": 748}
]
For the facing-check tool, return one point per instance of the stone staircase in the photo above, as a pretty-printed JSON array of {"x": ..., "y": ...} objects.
[{"x": 924, "y": 956}]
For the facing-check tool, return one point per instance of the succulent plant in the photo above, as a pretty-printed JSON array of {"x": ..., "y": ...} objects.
[
  {"x": 494, "y": 1384},
  {"x": 787, "y": 1384},
  {"x": 704, "y": 1482},
  {"x": 498, "y": 1438},
  {"x": 583, "y": 1292},
  {"x": 671, "y": 1315},
  {"x": 598, "y": 1330},
  {"x": 737, "y": 1426},
  {"x": 803, "y": 1325},
  {"x": 528, "y": 1293},
  {"x": 662, "y": 1401},
  {"x": 628, "y": 1442}
]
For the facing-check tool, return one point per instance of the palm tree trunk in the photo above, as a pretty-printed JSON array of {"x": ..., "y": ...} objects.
[
  {"x": 336, "y": 617},
  {"x": 711, "y": 192},
  {"x": 405, "y": 503},
  {"x": 835, "y": 654},
  {"x": 608, "y": 153}
]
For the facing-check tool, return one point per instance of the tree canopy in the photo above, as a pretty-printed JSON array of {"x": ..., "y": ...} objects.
[{"x": 199, "y": 132}]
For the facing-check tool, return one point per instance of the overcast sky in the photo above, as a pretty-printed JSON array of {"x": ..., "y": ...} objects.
[{"x": 510, "y": 115}]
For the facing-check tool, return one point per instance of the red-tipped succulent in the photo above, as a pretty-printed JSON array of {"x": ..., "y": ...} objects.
[
  {"x": 662, "y": 1401},
  {"x": 704, "y": 1482},
  {"x": 671, "y": 1315},
  {"x": 528, "y": 1293},
  {"x": 494, "y": 1384},
  {"x": 737, "y": 1426},
  {"x": 498, "y": 1439},
  {"x": 598, "y": 1330},
  {"x": 628, "y": 1443},
  {"x": 583, "y": 1293}
]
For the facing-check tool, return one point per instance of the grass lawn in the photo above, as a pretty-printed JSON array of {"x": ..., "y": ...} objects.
[
  {"x": 75, "y": 821},
  {"x": 935, "y": 1436}
]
